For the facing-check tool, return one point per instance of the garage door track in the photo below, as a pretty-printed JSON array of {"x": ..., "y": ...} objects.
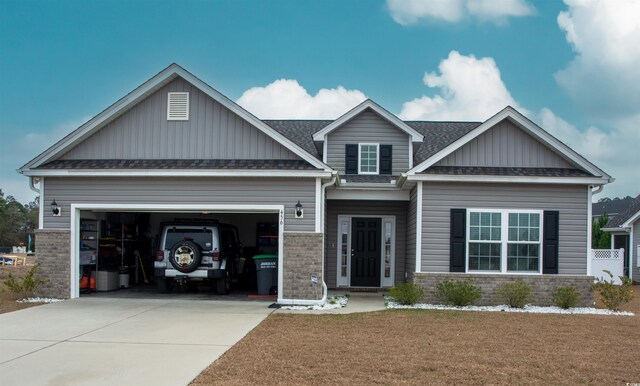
[{"x": 102, "y": 341}]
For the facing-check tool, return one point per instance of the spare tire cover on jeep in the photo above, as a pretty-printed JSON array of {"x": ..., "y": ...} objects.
[{"x": 185, "y": 256}]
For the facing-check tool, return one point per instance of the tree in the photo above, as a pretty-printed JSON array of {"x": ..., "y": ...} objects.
[
  {"x": 17, "y": 221},
  {"x": 599, "y": 238}
]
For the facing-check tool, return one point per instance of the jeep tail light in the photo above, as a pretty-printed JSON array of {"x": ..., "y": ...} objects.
[
  {"x": 215, "y": 256},
  {"x": 159, "y": 255}
]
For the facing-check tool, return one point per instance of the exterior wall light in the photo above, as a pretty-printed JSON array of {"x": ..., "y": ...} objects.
[
  {"x": 55, "y": 209},
  {"x": 299, "y": 211}
]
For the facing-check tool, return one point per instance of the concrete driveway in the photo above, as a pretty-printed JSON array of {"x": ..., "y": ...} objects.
[{"x": 100, "y": 341}]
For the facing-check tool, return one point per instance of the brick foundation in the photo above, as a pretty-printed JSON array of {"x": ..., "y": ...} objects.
[
  {"x": 302, "y": 258},
  {"x": 53, "y": 254},
  {"x": 543, "y": 286}
]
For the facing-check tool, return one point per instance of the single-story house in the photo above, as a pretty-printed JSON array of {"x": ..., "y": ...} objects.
[
  {"x": 625, "y": 233},
  {"x": 382, "y": 201}
]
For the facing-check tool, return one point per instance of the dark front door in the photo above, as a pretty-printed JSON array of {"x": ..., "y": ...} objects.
[{"x": 365, "y": 252}]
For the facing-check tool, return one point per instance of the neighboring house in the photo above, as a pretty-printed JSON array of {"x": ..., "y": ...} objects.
[
  {"x": 625, "y": 233},
  {"x": 611, "y": 208},
  {"x": 383, "y": 201}
]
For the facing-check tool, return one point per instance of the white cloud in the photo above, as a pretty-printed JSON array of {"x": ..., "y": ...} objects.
[
  {"x": 469, "y": 89},
  {"x": 286, "y": 98},
  {"x": 407, "y": 12},
  {"x": 615, "y": 151},
  {"x": 603, "y": 78}
]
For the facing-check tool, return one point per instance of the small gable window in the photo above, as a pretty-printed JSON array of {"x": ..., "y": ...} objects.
[
  {"x": 178, "y": 106},
  {"x": 368, "y": 154}
]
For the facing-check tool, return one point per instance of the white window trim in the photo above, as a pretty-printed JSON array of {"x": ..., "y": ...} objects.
[
  {"x": 504, "y": 240},
  {"x": 384, "y": 282},
  {"x": 377, "y": 145},
  {"x": 169, "y": 118}
]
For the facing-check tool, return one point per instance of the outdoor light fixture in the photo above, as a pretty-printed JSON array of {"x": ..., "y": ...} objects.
[
  {"x": 54, "y": 208},
  {"x": 299, "y": 210}
]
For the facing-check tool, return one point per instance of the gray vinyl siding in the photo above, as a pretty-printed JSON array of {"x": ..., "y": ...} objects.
[
  {"x": 635, "y": 244},
  {"x": 368, "y": 208},
  {"x": 410, "y": 265},
  {"x": 571, "y": 201},
  {"x": 158, "y": 190},
  {"x": 368, "y": 127},
  {"x": 212, "y": 132},
  {"x": 505, "y": 145}
]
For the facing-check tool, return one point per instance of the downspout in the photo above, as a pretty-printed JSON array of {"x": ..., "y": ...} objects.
[
  {"x": 303, "y": 302},
  {"x": 32, "y": 182}
]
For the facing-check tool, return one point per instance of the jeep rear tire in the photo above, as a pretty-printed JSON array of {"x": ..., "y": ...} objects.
[
  {"x": 223, "y": 285},
  {"x": 185, "y": 256}
]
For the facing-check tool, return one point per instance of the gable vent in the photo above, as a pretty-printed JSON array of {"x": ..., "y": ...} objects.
[{"x": 178, "y": 106}]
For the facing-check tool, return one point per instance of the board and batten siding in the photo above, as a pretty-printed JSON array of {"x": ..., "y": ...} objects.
[
  {"x": 570, "y": 200},
  {"x": 365, "y": 208},
  {"x": 505, "y": 145},
  {"x": 368, "y": 127},
  {"x": 212, "y": 132},
  {"x": 190, "y": 191},
  {"x": 410, "y": 266}
]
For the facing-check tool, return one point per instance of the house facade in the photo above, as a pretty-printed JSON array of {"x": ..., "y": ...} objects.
[
  {"x": 625, "y": 233},
  {"x": 383, "y": 201}
]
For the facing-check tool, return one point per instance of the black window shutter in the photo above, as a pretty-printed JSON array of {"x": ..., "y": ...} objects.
[
  {"x": 385, "y": 159},
  {"x": 550, "y": 242},
  {"x": 351, "y": 159},
  {"x": 457, "y": 249}
]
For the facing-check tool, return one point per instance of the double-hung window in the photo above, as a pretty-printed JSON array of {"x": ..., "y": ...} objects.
[
  {"x": 368, "y": 154},
  {"x": 507, "y": 241}
]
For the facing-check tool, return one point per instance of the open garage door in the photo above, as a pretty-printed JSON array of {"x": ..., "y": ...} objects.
[{"x": 147, "y": 250}]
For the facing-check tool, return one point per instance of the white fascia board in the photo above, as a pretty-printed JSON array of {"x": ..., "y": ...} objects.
[
  {"x": 368, "y": 104},
  {"x": 507, "y": 179},
  {"x": 176, "y": 173},
  {"x": 620, "y": 230},
  {"x": 367, "y": 195},
  {"x": 258, "y": 208},
  {"x": 162, "y": 78},
  {"x": 631, "y": 220},
  {"x": 524, "y": 123}
]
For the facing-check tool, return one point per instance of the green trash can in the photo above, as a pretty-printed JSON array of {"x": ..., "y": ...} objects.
[{"x": 266, "y": 272}]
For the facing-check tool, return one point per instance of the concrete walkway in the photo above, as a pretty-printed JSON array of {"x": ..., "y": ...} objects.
[
  {"x": 120, "y": 341},
  {"x": 358, "y": 302}
]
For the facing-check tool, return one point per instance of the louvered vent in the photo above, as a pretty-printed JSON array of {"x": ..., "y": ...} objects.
[{"x": 178, "y": 106}]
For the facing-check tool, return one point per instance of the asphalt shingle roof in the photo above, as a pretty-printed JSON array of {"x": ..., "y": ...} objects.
[
  {"x": 621, "y": 218},
  {"x": 300, "y": 132},
  {"x": 364, "y": 178},
  {"x": 178, "y": 164},
  {"x": 438, "y": 135},
  {"x": 506, "y": 171},
  {"x": 612, "y": 208}
]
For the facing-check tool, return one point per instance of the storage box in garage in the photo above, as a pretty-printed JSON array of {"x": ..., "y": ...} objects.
[{"x": 106, "y": 280}]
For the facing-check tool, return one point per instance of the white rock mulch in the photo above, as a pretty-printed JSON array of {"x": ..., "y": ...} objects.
[
  {"x": 332, "y": 303},
  {"x": 504, "y": 308},
  {"x": 39, "y": 300}
]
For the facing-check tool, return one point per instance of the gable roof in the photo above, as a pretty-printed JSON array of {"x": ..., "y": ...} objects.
[
  {"x": 299, "y": 131},
  {"x": 368, "y": 104},
  {"x": 611, "y": 208},
  {"x": 438, "y": 135},
  {"x": 524, "y": 123},
  {"x": 125, "y": 103},
  {"x": 627, "y": 217}
]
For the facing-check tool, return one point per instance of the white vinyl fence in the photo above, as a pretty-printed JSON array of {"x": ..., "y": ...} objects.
[{"x": 611, "y": 260}]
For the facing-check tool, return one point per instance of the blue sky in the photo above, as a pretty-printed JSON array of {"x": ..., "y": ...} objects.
[{"x": 63, "y": 62}]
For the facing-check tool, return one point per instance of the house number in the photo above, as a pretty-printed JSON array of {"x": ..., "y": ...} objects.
[{"x": 281, "y": 217}]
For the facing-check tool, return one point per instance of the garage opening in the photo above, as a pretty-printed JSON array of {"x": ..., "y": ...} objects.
[{"x": 192, "y": 254}]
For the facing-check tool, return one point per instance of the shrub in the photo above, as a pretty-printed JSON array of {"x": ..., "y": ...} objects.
[
  {"x": 566, "y": 297},
  {"x": 612, "y": 295},
  {"x": 516, "y": 294},
  {"x": 26, "y": 285},
  {"x": 407, "y": 293},
  {"x": 457, "y": 292}
]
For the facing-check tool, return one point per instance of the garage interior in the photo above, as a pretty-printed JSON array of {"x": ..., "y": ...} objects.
[{"x": 117, "y": 251}]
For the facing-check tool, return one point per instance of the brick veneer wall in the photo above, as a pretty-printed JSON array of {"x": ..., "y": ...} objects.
[
  {"x": 543, "y": 285},
  {"x": 53, "y": 254},
  {"x": 302, "y": 258}
]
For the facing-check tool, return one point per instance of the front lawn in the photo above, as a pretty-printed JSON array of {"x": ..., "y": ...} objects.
[{"x": 420, "y": 347}]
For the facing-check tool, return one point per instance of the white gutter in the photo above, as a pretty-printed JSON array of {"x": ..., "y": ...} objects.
[
  {"x": 32, "y": 181},
  {"x": 325, "y": 291}
]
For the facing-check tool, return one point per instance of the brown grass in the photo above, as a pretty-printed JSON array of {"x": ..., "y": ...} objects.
[
  {"x": 434, "y": 347},
  {"x": 7, "y": 298}
]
